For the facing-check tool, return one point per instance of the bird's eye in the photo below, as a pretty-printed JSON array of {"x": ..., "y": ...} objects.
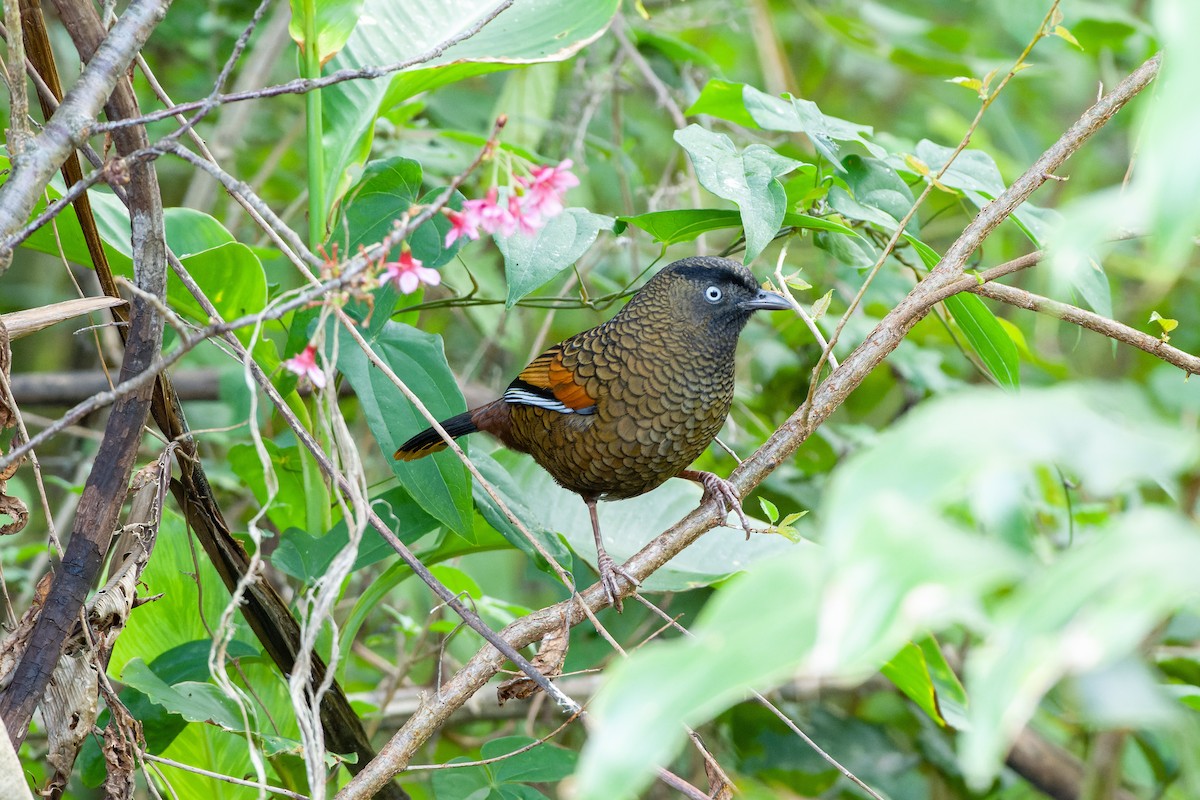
[{"x": 713, "y": 294}]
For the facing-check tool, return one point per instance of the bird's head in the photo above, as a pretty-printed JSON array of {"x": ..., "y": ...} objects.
[{"x": 716, "y": 295}]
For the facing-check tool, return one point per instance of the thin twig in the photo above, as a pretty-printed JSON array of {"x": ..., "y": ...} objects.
[
  {"x": 305, "y": 85},
  {"x": 226, "y": 778}
]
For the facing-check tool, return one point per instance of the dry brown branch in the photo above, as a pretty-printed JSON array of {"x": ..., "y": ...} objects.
[
  {"x": 104, "y": 488},
  {"x": 782, "y": 444},
  {"x": 1093, "y": 322}
]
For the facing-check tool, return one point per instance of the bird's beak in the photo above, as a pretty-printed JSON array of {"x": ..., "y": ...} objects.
[{"x": 766, "y": 301}]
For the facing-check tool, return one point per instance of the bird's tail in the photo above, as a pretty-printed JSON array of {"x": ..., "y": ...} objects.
[{"x": 430, "y": 441}]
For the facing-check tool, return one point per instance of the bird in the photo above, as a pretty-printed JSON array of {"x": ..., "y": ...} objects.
[{"x": 617, "y": 410}]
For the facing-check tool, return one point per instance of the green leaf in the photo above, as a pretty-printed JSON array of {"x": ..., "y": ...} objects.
[
  {"x": 908, "y": 672},
  {"x": 803, "y": 116},
  {"x": 769, "y": 509},
  {"x": 230, "y": 273},
  {"x": 673, "y": 227},
  {"x": 986, "y": 337},
  {"x": 628, "y": 524},
  {"x": 308, "y": 557},
  {"x": 289, "y": 507},
  {"x": 531, "y": 261},
  {"x": 185, "y": 662},
  {"x": 438, "y": 483},
  {"x": 515, "y": 496},
  {"x": 530, "y": 31},
  {"x": 507, "y": 779},
  {"x": 723, "y": 99},
  {"x": 387, "y": 189},
  {"x": 684, "y": 225},
  {"x": 1166, "y": 323},
  {"x": 335, "y": 21},
  {"x": 975, "y": 173},
  {"x": 880, "y": 195},
  {"x": 1091, "y": 608},
  {"x": 232, "y": 278},
  {"x": 749, "y": 178},
  {"x": 676, "y": 49},
  {"x": 191, "y": 593},
  {"x": 199, "y": 702}
]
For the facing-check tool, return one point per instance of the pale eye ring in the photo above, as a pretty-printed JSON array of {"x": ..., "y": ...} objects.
[{"x": 713, "y": 294}]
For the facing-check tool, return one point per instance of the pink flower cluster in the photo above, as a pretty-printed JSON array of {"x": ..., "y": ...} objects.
[{"x": 533, "y": 200}]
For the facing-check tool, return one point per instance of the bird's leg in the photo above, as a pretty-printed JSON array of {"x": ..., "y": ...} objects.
[
  {"x": 609, "y": 569},
  {"x": 722, "y": 491}
]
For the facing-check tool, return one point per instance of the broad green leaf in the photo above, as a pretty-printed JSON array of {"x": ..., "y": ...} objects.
[
  {"x": 308, "y": 557},
  {"x": 880, "y": 195},
  {"x": 749, "y": 178},
  {"x": 185, "y": 662},
  {"x": 387, "y": 189},
  {"x": 223, "y": 752},
  {"x": 507, "y": 778},
  {"x": 188, "y": 598},
  {"x": 199, "y": 702},
  {"x": 516, "y": 496},
  {"x": 921, "y": 672},
  {"x": 723, "y": 99},
  {"x": 795, "y": 115},
  {"x": 532, "y": 260},
  {"x": 229, "y": 272},
  {"x": 528, "y": 32},
  {"x": 990, "y": 341},
  {"x": 438, "y": 483},
  {"x": 627, "y": 525},
  {"x": 335, "y": 21},
  {"x": 908, "y": 672},
  {"x": 676, "y": 49},
  {"x": 288, "y": 509},
  {"x": 975, "y": 173},
  {"x": 232, "y": 278},
  {"x": 684, "y": 225}
]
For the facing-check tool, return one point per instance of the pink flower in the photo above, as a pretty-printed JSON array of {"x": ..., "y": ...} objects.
[
  {"x": 408, "y": 274},
  {"x": 521, "y": 218},
  {"x": 304, "y": 364},
  {"x": 461, "y": 224},
  {"x": 545, "y": 187},
  {"x": 490, "y": 215}
]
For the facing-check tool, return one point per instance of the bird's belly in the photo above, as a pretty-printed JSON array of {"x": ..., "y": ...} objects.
[{"x": 616, "y": 457}]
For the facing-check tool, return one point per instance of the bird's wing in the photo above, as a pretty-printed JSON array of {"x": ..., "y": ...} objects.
[{"x": 546, "y": 383}]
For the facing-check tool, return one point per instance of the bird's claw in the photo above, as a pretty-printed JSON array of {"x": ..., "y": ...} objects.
[
  {"x": 727, "y": 498},
  {"x": 609, "y": 570}
]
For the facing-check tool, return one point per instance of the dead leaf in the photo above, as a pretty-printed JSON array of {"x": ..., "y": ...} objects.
[{"x": 551, "y": 655}]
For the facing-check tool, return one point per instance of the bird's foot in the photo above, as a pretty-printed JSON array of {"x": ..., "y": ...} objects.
[
  {"x": 722, "y": 491},
  {"x": 609, "y": 570}
]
